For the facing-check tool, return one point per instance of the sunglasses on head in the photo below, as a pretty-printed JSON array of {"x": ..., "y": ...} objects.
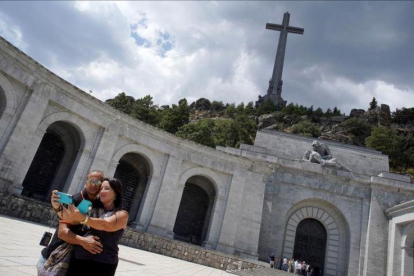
[{"x": 95, "y": 182}]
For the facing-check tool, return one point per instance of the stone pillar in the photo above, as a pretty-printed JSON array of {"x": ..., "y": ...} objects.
[
  {"x": 377, "y": 238},
  {"x": 166, "y": 208},
  {"x": 232, "y": 215},
  {"x": 106, "y": 149},
  {"x": 25, "y": 139},
  {"x": 248, "y": 230},
  {"x": 150, "y": 198}
]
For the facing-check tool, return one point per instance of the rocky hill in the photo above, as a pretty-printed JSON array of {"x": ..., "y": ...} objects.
[{"x": 218, "y": 124}]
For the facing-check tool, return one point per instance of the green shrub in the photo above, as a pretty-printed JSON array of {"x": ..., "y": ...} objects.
[{"x": 306, "y": 128}]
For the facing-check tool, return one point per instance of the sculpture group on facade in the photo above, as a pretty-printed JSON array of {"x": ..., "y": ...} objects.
[{"x": 321, "y": 154}]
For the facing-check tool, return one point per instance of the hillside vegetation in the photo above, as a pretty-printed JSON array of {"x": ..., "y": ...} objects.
[{"x": 218, "y": 124}]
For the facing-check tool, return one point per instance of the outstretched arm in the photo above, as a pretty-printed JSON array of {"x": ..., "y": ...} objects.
[
  {"x": 114, "y": 223},
  {"x": 90, "y": 243}
]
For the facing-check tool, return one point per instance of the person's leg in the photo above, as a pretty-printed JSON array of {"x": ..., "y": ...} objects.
[
  {"x": 79, "y": 267},
  {"x": 104, "y": 269}
]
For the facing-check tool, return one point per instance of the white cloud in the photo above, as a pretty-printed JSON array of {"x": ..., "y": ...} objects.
[{"x": 13, "y": 33}]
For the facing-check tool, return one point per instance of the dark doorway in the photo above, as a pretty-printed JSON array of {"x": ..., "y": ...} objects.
[
  {"x": 53, "y": 161},
  {"x": 310, "y": 244},
  {"x": 193, "y": 217},
  {"x": 133, "y": 171}
]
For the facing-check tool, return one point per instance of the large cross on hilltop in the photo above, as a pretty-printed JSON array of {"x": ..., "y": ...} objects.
[{"x": 274, "y": 91}]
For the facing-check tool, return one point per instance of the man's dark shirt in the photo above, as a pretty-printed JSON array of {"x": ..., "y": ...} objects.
[{"x": 77, "y": 229}]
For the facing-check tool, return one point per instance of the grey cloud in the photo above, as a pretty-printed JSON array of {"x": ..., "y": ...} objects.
[{"x": 57, "y": 30}]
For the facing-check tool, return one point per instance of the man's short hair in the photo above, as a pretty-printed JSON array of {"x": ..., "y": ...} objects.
[{"x": 96, "y": 171}]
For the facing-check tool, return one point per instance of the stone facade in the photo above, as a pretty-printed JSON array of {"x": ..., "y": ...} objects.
[
  {"x": 255, "y": 197},
  {"x": 401, "y": 239}
]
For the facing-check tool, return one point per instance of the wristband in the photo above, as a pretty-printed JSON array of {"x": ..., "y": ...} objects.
[{"x": 85, "y": 221}]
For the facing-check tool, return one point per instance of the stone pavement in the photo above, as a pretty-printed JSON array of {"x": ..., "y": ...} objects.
[{"x": 20, "y": 251}]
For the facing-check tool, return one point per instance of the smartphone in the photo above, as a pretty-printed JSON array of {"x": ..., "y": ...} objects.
[
  {"x": 65, "y": 198},
  {"x": 84, "y": 206}
]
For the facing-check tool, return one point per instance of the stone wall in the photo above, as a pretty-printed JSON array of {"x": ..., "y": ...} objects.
[
  {"x": 27, "y": 209},
  {"x": 288, "y": 146},
  {"x": 185, "y": 251},
  {"x": 39, "y": 212}
]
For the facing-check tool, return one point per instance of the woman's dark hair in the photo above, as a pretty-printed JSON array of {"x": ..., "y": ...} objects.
[{"x": 116, "y": 185}]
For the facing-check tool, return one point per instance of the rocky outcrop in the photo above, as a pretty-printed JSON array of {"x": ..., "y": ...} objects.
[{"x": 357, "y": 113}]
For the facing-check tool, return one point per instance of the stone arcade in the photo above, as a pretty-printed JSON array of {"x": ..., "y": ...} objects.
[{"x": 250, "y": 201}]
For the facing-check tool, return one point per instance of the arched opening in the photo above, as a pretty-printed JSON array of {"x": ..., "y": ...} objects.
[
  {"x": 134, "y": 171},
  {"x": 310, "y": 244},
  {"x": 53, "y": 161},
  {"x": 3, "y": 101},
  {"x": 407, "y": 246},
  {"x": 194, "y": 213}
]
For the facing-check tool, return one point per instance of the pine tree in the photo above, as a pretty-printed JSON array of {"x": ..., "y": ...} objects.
[{"x": 373, "y": 104}]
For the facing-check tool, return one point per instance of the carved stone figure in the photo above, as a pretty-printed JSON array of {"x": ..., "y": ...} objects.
[{"x": 320, "y": 154}]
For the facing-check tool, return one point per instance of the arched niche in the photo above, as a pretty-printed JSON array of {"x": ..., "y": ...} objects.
[
  {"x": 53, "y": 162},
  {"x": 337, "y": 230},
  {"x": 407, "y": 247},
  {"x": 195, "y": 210},
  {"x": 134, "y": 172}
]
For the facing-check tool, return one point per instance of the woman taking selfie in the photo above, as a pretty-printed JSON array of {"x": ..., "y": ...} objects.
[{"x": 107, "y": 223}]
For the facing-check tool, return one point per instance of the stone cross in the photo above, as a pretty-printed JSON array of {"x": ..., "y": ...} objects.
[{"x": 275, "y": 84}]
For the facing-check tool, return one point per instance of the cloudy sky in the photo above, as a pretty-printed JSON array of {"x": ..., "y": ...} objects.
[{"x": 349, "y": 52}]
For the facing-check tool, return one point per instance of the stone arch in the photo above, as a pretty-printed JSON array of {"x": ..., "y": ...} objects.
[
  {"x": 53, "y": 162},
  {"x": 149, "y": 156},
  {"x": 8, "y": 107},
  {"x": 139, "y": 189},
  {"x": 336, "y": 226},
  {"x": 7, "y": 90},
  {"x": 407, "y": 254},
  {"x": 80, "y": 125},
  {"x": 211, "y": 175},
  {"x": 199, "y": 192}
]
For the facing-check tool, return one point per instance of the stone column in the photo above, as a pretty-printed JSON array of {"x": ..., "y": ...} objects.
[
  {"x": 166, "y": 207},
  {"x": 377, "y": 238},
  {"x": 232, "y": 215},
  {"x": 248, "y": 230},
  {"x": 106, "y": 149},
  {"x": 25, "y": 139}
]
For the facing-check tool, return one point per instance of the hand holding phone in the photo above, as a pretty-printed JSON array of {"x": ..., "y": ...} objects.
[
  {"x": 65, "y": 198},
  {"x": 84, "y": 206}
]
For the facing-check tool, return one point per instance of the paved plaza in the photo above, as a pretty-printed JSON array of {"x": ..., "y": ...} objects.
[{"x": 20, "y": 251}]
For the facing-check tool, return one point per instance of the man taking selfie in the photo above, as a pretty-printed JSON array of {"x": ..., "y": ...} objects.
[{"x": 74, "y": 234}]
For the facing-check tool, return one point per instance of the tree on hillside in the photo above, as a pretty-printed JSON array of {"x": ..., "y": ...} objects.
[
  {"x": 249, "y": 109},
  {"x": 217, "y": 106},
  {"x": 175, "y": 117},
  {"x": 199, "y": 132},
  {"x": 318, "y": 112},
  {"x": 336, "y": 111},
  {"x": 403, "y": 116},
  {"x": 231, "y": 110},
  {"x": 328, "y": 113},
  {"x": 225, "y": 133},
  {"x": 373, "y": 104},
  {"x": 357, "y": 127},
  {"x": 202, "y": 104},
  {"x": 145, "y": 110},
  {"x": 266, "y": 107},
  {"x": 384, "y": 140},
  {"x": 122, "y": 102},
  {"x": 306, "y": 128},
  {"x": 309, "y": 111},
  {"x": 246, "y": 130}
]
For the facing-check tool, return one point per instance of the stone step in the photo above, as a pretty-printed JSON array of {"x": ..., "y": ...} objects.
[{"x": 260, "y": 272}]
